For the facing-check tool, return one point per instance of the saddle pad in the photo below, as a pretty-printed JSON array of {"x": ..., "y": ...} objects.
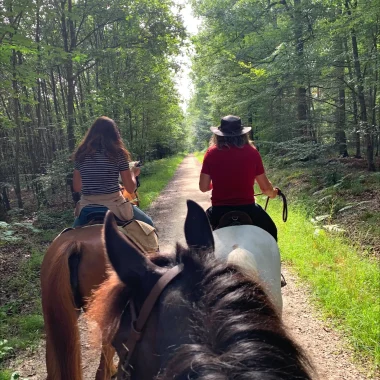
[{"x": 141, "y": 234}]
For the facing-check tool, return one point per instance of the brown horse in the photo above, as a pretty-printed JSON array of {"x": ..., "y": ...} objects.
[
  {"x": 74, "y": 265},
  {"x": 210, "y": 322}
]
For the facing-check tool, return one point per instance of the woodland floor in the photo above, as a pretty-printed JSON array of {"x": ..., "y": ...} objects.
[{"x": 327, "y": 349}]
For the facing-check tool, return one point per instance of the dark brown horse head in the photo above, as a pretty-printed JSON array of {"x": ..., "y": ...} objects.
[{"x": 210, "y": 322}]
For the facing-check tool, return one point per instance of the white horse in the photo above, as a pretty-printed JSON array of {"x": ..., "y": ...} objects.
[{"x": 256, "y": 252}]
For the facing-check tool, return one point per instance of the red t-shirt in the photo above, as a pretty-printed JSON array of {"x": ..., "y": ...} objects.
[{"x": 233, "y": 172}]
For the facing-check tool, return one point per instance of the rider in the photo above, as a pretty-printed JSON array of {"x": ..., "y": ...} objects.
[
  {"x": 99, "y": 159},
  {"x": 230, "y": 167}
]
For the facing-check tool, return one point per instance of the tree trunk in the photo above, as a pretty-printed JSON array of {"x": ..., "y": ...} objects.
[
  {"x": 69, "y": 47},
  {"x": 62, "y": 91},
  {"x": 354, "y": 104},
  {"x": 361, "y": 97},
  {"x": 18, "y": 127},
  {"x": 363, "y": 107},
  {"x": 300, "y": 91},
  {"x": 70, "y": 105},
  {"x": 340, "y": 113}
]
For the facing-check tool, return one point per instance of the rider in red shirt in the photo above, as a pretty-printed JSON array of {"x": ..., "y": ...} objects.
[{"x": 230, "y": 167}]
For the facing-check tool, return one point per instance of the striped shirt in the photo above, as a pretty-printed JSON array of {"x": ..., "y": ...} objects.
[{"x": 100, "y": 175}]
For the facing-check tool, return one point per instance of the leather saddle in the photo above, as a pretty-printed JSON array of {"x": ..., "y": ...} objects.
[{"x": 234, "y": 218}]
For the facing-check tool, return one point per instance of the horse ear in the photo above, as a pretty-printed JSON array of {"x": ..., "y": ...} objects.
[
  {"x": 198, "y": 231},
  {"x": 128, "y": 261}
]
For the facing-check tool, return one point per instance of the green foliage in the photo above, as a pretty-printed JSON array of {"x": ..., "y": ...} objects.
[
  {"x": 294, "y": 150},
  {"x": 53, "y": 219},
  {"x": 288, "y": 70},
  {"x": 16, "y": 231},
  {"x": 199, "y": 156},
  {"x": 4, "y": 348},
  {"x": 113, "y": 58},
  {"x": 5, "y": 374}
]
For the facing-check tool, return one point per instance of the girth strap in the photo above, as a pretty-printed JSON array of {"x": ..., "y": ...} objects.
[{"x": 138, "y": 323}]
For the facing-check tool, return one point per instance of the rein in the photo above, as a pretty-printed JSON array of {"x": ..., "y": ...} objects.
[
  {"x": 138, "y": 322},
  {"x": 284, "y": 201}
]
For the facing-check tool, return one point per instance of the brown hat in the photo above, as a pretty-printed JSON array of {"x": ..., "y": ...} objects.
[{"x": 230, "y": 126}]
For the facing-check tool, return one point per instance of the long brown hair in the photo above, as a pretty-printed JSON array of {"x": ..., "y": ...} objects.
[
  {"x": 229, "y": 141},
  {"x": 102, "y": 135}
]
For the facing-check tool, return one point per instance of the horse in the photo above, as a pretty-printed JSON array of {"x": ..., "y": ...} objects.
[
  {"x": 73, "y": 266},
  {"x": 190, "y": 315}
]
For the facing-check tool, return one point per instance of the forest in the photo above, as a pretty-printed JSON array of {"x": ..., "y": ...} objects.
[
  {"x": 303, "y": 73},
  {"x": 65, "y": 62}
]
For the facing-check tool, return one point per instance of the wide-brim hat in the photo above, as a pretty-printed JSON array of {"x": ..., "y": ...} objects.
[{"x": 230, "y": 126}]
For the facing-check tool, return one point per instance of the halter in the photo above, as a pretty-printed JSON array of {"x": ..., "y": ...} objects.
[{"x": 138, "y": 322}]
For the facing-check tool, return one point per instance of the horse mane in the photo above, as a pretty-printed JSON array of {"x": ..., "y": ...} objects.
[{"x": 236, "y": 331}]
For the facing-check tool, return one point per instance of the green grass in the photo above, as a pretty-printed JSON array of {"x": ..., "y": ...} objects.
[
  {"x": 5, "y": 374},
  {"x": 199, "y": 156},
  {"x": 155, "y": 176},
  {"x": 344, "y": 284}
]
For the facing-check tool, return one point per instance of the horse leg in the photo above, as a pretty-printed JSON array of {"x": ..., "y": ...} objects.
[{"x": 107, "y": 367}]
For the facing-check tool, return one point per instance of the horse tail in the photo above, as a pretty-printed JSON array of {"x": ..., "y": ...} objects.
[
  {"x": 245, "y": 261},
  {"x": 63, "y": 357},
  {"x": 248, "y": 265}
]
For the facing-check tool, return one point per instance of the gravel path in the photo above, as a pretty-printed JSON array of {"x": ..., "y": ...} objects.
[{"x": 326, "y": 348}]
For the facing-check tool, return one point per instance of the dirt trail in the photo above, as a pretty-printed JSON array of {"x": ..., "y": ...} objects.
[{"x": 325, "y": 347}]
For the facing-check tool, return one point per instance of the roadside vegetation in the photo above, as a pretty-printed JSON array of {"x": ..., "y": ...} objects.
[
  {"x": 332, "y": 241},
  {"x": 23, "y": 243}
]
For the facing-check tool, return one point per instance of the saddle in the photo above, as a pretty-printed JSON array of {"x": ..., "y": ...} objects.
[
  {"x": 234, "y": 218},
  {"x": 141, "y": 234}
]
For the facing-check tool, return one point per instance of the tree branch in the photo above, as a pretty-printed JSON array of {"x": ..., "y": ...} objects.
[
  {"x": 99, "y": 26},
  {"x": 85, "y": 68}
]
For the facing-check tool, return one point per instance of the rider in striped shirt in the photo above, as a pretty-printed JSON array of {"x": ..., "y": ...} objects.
[{"x": 99, "y": 160}]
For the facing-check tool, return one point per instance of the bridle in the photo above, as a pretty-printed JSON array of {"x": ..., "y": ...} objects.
[{"x": 138, "y": 321}]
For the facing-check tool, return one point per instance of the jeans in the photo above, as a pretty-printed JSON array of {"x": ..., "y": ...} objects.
[
  {"x": 258, "y": 215},
  {"x": 137, "y": 214},
  {"x": 140, "y": 215}
]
